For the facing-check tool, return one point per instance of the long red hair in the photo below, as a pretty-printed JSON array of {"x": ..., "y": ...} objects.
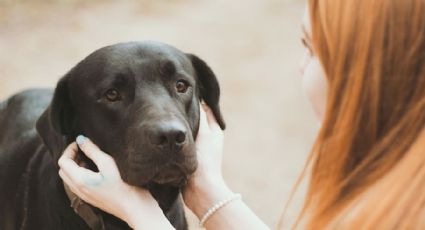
[{"x": 368, "y": 162}]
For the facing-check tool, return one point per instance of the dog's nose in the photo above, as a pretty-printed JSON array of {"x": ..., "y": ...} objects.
[{"x": 168, "y": 134}]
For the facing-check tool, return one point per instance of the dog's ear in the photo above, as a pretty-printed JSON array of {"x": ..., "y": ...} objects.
[
  {"x": 54, "y": 125},
  {"x": 209, "y": 87}
]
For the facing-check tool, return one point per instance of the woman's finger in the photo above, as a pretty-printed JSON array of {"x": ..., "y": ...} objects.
[
  {"x": 69, "y": 182},
  {"x": 102, "y": 160},
  {"x": 79, "y": 190},
  {"x": 67, "y": 163},
  {"x": 78, "y": 175},
  {"x": 81, "y": 177},
  {"x": 70, "y": 152},
  {"x": 212, "y": 122},
  {"x": 203, "y": 121}
]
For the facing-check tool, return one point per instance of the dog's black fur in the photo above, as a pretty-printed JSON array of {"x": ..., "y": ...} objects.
[{"x": 124, "y": 98}]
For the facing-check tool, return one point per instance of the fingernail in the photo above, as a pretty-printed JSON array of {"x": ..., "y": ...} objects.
[{"x": 81, "y": 139}]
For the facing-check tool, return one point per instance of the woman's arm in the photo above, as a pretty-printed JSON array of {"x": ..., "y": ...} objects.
[
  {"x": 207, "y": 187},
  {"x": 235, "y": 215}
]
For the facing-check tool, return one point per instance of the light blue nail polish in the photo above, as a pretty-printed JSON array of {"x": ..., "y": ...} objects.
[{"x": 81, "y": 139}]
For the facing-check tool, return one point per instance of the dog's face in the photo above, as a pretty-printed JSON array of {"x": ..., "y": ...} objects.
[{"x": 138, "y": 102}]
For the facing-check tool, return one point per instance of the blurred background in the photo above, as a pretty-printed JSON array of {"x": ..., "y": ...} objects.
[{"x": 253, "y": 46}]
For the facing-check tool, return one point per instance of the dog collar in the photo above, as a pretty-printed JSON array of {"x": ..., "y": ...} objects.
[{"x": 84, "y": 210}]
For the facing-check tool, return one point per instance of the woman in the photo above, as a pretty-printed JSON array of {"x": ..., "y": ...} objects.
[{"x": 365, "y": 75}]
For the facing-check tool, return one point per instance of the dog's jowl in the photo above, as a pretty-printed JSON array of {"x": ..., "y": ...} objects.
[{"x": 138, "y": 101}]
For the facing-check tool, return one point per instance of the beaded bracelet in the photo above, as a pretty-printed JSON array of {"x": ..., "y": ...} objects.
[{"x": 217, "y": 206}]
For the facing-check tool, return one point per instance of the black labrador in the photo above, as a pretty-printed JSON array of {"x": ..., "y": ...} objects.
[{"x": 137, "y": 101}]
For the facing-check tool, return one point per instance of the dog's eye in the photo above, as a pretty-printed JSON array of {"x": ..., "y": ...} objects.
[
  {"x": 182, "y": 86},
  {"x": 113, "y": 95}
]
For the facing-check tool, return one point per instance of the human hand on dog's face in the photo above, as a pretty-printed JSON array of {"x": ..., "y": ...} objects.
[
  {"x": 207, "y": 184},
  {"x": 105, "y": 189},
  {"x": 209, "y": 146}
]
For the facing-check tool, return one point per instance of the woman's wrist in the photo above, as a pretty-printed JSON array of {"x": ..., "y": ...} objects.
[
  {"x": 143, "y": 212},
  {"x": 142, "y": 221},
  {"x": 202, "y": 193}
]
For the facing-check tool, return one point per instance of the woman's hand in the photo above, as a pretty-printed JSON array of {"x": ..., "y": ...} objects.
[
  {"x": 106, "y": 190},
  {"x": 206, "y": 186},
  {"x": 209, "y": 147}
]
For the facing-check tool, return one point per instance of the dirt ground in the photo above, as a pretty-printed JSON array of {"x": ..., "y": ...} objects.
[{"x": 252, "y": 45}]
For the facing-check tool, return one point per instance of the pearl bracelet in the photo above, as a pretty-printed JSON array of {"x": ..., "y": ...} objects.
[{"x": 217, "y": 206}]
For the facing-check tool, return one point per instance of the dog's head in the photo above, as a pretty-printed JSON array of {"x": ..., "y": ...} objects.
[{"x": 138, "y": 102}]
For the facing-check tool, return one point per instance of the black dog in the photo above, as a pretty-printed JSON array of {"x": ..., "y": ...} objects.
[{"x": 138, "y": 102}]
